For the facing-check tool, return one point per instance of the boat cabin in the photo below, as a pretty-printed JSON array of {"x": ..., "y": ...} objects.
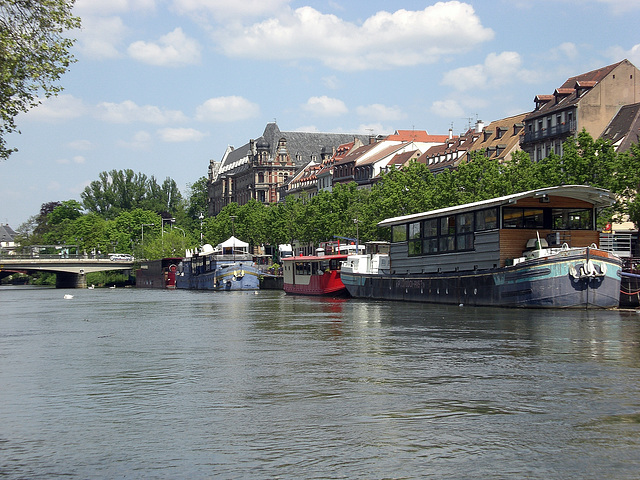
[{"x": 495, "y": 233}]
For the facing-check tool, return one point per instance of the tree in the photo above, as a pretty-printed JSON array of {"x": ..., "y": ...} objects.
[
  {"x": 197, "y": 198},
  {"x": 34, "y": 54},
  {"x": 119, "y": 191}
]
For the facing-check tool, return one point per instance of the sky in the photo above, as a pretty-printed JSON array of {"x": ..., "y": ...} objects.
[{"x": 162, "y": 87}]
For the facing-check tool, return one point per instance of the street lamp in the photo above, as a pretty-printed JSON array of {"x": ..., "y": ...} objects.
[
  {"x": 201, "y": 217},
  {"x": 142, "y": 238},
  {"x": 171, "y": 220}
]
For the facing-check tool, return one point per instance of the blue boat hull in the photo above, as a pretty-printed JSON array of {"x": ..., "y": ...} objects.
[
  {"x": 228, "y": 278},
  {"x": 543, "y": 283}
]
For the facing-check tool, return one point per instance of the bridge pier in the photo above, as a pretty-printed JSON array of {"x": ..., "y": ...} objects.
[{"x": 71, "y": 280}]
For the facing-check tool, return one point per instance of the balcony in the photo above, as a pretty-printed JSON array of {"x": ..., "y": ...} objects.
[{"x": 561, "y": 130}]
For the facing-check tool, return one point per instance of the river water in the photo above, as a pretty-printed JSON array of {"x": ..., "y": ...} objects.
[{"x": 132, "y": 383}]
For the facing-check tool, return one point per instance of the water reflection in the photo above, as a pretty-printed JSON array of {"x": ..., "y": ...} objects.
[{"x": 200, "y": 384}]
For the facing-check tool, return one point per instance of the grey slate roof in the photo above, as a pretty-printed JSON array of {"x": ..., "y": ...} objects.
[
  {"x": 624, "y": 127},
  {"x": 6, "y": 233},
  {"x": 301, "y": 145}
]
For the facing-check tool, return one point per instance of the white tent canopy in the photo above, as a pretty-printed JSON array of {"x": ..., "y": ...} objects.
[{"x": 234, "y": 243}]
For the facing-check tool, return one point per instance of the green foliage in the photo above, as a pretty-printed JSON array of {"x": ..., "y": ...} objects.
[
  {"x": 197, "y": 198},
  {"x": 122, "y": 190},
  {"x": 34, "y": 53}
]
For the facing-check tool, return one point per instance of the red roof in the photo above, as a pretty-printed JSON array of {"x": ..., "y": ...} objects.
[{"x": 417, "y": 136}]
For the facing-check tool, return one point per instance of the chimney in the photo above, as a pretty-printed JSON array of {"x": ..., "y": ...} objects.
[
  {"x": 450, "y": 133},
  {"x": 479, "y": 126}
]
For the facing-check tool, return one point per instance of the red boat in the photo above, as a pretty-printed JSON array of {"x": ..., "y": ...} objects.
[{"x": 314, "y": 275}]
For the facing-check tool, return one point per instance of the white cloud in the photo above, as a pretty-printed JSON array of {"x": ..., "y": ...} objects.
[
  {"x": 497, "y": 70},
  {"x": 331, "y": 82},
  {"x": 227, "y": 109},
  {"x": 621, "y": 6},
  {"x": 223, "y": 9},
  {"x": 447, "y": 109},
  {"x": 101, "y": 37},
  {"x": 385, "y": 40},
  {"x": 181, "y": 135},
  {"x": 108, "y": 7},
  {"x": 141, "y": 140},
  {"x": 129, "y": 112},
  {"x": 325, "y": 106},
  {"x": 378, "y": 111},
  {"x": 81, "y": 145},
  {"x": 61, "y": 107},
  {"x": 174, "y": 49},
  {"x": 618, "y": 53}
]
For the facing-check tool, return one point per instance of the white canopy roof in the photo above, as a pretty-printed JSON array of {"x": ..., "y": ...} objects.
[{"x": 233, "y": 242}]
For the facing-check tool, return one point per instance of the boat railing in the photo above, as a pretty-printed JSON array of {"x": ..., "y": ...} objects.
[{"x": 617, "y": 243}]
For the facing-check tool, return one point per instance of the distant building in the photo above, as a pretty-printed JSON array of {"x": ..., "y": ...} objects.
[
  {"x": 363, "y": 165},
  {"x": 624, "y": 128},
  {"x": 453, "y": 151},
  {"x": 588, "y": 101},
  {"x": 7, "y": 239},
  {"x": 500, "y": 138},
  {"x": 259, "y": 169}
]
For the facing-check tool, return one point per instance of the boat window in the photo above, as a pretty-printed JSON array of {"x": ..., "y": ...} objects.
[
  {"x": 533, "y": 218},
  {"x": 512, "y": 217},
  {"x": 465, "y": 223},
  {"x": 530, "y": 218},
  {"x": 335, "y": 264},
  {"x": 447, "y": 241},
  {"x": 572, "y": 219},
  {"x": 487, "y": 219},
  {"x": 415, "y": 240},
  {"x": 303, "y": 268},
  {"x": 430, "y": 245},
  {"x": 399, "y": 233},
  {"x": 430, "y": 228},
  {"x": 430, "y": 242}
]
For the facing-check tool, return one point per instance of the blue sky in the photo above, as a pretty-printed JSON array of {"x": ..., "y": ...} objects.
[{"x": 163, "y": 86}]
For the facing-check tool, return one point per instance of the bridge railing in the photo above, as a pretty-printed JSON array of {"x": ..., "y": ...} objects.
[{"x": 45, "y": 256}]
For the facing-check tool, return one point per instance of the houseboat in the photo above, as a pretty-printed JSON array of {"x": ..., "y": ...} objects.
[
  {"x": 158, "y": 273},
  {"x": 229, "y": 266},
  {"x": 531, "y": 249},
  {"x": 317, "y": 274}
]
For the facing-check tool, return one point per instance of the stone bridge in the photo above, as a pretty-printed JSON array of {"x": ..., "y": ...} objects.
[{"x": 70, "y": 272}]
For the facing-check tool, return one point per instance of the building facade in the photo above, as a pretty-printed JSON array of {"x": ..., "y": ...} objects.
[
  {"x": 588, "y": 101},
  {"x": 259, "y": 169}
]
